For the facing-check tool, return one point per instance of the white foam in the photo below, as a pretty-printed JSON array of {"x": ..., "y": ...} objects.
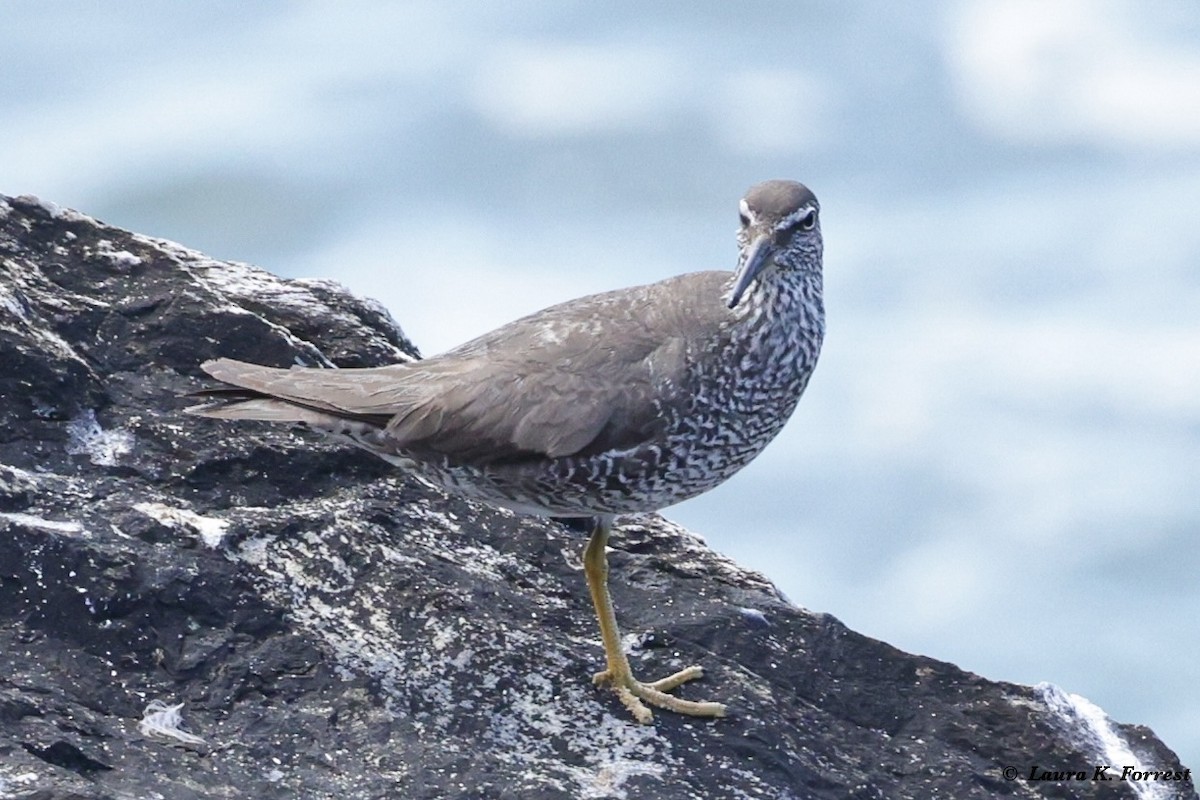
[
  {"x": 121, "y": 258},
  {"x": 1096, "y": 732},
  {"x": 160, "y": 719},
  {"x": 28, "y": 520},
  {"x": 102, "y": 447},
  {"x": 754, "y": 615},
  {"x": 211, "y": 530},
  {"x": 53, "y": 209},
  {"x": 1093, "y": 78}
]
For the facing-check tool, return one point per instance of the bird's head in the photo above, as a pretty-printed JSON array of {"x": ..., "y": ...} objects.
[{"x": 780, "y": 231}]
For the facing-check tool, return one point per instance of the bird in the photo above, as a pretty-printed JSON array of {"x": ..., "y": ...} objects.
[{"x": 617, "y": 403}]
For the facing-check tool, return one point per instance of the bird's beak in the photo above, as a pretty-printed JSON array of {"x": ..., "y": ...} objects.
[{"x": 758, "y": 255}]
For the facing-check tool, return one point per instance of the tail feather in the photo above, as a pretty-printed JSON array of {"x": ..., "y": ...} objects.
[
  {"x": 266, "y": 409},
  {"x": 280, "y": 395}
]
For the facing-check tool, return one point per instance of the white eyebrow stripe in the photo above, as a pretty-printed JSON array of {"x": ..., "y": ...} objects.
[
  {"x": 794, "y": 217},
  {"x": 747, "y": 212}
]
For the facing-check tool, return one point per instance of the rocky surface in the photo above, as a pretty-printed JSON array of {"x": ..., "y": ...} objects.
[{"x": 323, "y": 626}]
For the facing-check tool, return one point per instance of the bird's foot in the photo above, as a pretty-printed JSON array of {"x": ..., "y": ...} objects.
[{"x": 635, "y": 695}]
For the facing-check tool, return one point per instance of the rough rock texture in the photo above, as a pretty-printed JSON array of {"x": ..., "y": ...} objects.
[{"x": 335, "y": 629}]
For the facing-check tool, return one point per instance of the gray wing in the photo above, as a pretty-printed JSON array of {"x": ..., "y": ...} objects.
[{"x": 585, "y": 376}]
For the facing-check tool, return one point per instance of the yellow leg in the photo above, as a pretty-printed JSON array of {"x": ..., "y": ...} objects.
[{"x": 633, "y": 693}]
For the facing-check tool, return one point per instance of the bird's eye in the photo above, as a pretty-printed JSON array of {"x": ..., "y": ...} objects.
[
  {"x": 792, "y": 223},
  {"x": 745, "y": 220},
  {"x": 787, "y": 228}
]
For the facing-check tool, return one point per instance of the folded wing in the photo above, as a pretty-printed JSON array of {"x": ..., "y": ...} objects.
[{"x": 583, "y": 377}]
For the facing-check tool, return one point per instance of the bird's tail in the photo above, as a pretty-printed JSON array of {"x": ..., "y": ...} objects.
[{"x": 322, "y": 398}]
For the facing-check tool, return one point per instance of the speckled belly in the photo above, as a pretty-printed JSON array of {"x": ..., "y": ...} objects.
[{"x": 702, "y": 450}]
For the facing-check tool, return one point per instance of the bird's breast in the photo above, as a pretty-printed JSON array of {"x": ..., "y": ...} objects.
[{"x": 744, "y": 393}]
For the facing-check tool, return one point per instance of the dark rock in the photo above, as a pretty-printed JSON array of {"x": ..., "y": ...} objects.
[{"x": 335, "y": 629}]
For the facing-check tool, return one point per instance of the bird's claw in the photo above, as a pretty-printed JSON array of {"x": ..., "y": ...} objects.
[{"x": 634, "y": 694}]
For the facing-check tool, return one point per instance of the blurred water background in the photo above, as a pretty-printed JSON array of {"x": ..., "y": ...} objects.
[{"x": 997, "y": 461}]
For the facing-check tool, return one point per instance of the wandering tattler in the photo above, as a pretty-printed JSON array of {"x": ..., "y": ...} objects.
[{"x": 621, "y": 402}]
